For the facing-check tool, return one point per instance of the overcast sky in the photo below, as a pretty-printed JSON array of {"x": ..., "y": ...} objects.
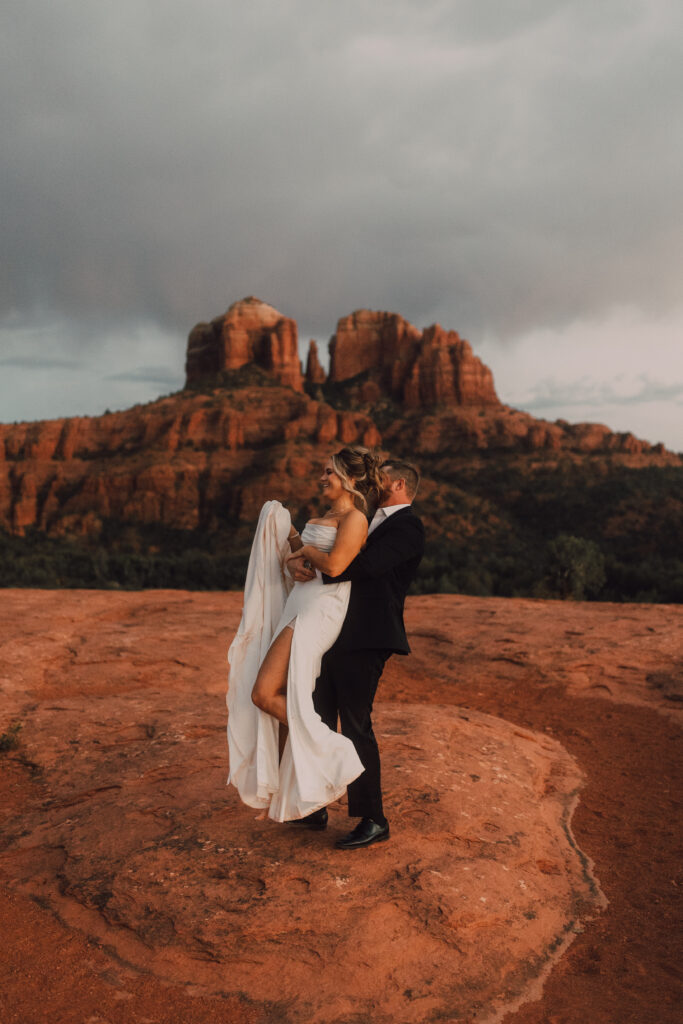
[{"x": 509, "y": 168}]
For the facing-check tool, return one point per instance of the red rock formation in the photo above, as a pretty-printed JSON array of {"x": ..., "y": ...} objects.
[
  {"x": 366, "y": 340},
  {"x": 315, "y": 373},
  {"x": 177, "y": 461},
  {"x": 421, "y": 370},
  {"x": 188, "y": 460},
  {"x": 250, "y": 332}
]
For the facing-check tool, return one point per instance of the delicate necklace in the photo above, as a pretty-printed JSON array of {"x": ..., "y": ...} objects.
[{"x": 337, "y": 511}]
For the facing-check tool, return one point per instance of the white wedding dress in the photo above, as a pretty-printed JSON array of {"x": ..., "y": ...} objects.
[{"x": 317, "y": 764}]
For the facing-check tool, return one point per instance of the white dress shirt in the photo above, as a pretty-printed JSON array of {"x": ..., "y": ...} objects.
[{"x": 383, "y": 513}]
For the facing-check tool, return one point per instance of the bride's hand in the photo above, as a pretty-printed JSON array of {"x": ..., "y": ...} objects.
[
  {"x": 301, "y": 553},
  {"x": 299, "y": 567}
]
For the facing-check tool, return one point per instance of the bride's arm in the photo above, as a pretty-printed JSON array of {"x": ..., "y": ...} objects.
[
  {"x": 351, "y": 535},
  {"x": 402, "y": 539},
  {"x": 295, "y": 541}
]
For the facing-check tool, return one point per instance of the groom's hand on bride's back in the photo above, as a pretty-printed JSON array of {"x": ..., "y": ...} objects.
[{"x": 299, "y": 570}]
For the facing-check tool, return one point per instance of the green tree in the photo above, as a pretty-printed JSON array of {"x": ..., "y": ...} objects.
[{"x": 575, "y": 567}]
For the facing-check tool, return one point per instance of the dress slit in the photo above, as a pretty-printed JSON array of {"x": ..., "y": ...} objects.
[{"x": 317, "y": 763}]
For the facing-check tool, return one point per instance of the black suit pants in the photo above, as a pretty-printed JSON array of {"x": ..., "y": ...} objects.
[{"x": 345, "y": 690}]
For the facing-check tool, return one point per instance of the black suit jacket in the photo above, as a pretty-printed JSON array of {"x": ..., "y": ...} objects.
[{"x": 380, "y": 577}]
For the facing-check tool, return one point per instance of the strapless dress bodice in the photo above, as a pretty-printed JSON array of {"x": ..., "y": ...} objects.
[
  {"x": 319, "y": 536},
  {"x": 317, "y": 763}
]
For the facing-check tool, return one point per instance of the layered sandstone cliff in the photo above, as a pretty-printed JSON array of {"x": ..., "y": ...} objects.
[
  {"x": 250, "y": 332},
  {"x": 214, "y": 452},
  {"x": 188, "y": 461},
  {"x": 418, "y": 369}
]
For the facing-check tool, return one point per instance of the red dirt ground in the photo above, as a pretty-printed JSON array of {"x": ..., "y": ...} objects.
[{"x": 603, "y": 680}]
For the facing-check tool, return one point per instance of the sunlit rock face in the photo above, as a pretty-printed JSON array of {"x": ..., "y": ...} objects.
[
  {"x": 249, "y": 425},
  {"x": 419, "y": 369},
  {"x": 250, "y": 332}
]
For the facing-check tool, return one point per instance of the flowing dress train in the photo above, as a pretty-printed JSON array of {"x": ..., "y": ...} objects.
[{"x": 317, "y": 764}]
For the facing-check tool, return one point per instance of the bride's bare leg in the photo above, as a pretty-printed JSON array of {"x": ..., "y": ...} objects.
[{"x": 270, "y": 688}]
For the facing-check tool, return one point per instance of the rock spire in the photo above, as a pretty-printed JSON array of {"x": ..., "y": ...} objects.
[
  {"x": 250, "y": 332},
  {"x": 419, "y": 369}
]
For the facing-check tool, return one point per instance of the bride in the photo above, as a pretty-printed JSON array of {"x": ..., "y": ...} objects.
[{"x": 282, "y": 756}]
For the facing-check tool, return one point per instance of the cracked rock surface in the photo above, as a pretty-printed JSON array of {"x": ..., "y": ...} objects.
[{"x": 121, "y": 825}]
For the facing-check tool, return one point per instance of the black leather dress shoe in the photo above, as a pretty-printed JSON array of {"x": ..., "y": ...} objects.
[
  {"x": 366, "y": 832},
  {"x": 316, "y": 822}
]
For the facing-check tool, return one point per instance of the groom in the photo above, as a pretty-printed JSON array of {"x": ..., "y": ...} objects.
[{"x": 372, "y": 631}]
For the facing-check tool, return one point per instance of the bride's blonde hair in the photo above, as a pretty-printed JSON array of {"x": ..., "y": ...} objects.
[{"x": 359, "y": 472}]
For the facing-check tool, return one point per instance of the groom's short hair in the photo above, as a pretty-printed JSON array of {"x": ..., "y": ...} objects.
[{"x": 398, "y": 469}]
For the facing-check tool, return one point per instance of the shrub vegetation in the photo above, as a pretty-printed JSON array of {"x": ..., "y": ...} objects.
[{"x": 576, "y": 531}]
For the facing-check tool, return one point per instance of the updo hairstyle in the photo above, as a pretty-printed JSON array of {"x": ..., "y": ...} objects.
[{"x": 359, "y": 472}]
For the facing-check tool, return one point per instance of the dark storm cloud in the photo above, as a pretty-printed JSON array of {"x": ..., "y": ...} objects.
[
  {"x": 40, "y": 363},
  {"x": 500, "y": 166},
  {"x": 147, "y": 374}
]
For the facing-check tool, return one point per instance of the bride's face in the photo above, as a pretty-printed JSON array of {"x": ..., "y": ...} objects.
[{"x": 330, "y": 483}]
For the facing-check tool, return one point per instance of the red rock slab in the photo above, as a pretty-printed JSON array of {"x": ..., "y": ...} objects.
[
  {"x": 624, "y": 653},
  {"x": 129, "y": 834},
  {"x": 623, "y": 969},
  {"x": 140, "y": 846}
]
